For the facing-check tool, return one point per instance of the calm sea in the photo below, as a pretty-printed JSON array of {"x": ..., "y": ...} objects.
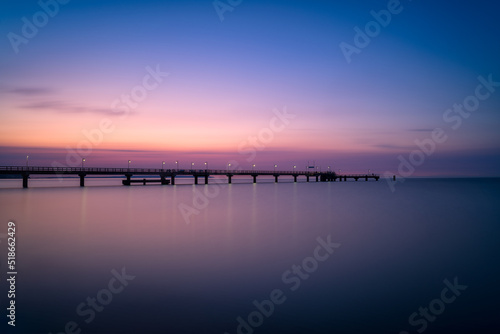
[{"x": 350, "y": 257}]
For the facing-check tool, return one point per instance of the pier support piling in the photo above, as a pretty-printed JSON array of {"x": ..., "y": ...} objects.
[
  {"x": 206, "y": 179},
  {"x": 25, "y": 180},
  {"x": 82, "y": 179},
  {"x": 127, "y": 182}
]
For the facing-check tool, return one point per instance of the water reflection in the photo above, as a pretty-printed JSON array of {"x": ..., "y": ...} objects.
[{"x": 396, "y": 250}]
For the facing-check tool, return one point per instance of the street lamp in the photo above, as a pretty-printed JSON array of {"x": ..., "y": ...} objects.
[
  {"x": 129, "y": 164},
  {"x": 177, "y": 165},
  {"x": 228, "y": 166},
  {"x": 340, "y": 171},
  {"x": 275, "y": 167},
  {"x": 206, "y": 166},
  {"x": 192, "y": 165},
  {"x": 83, "y": 160},
  {"x": 27, "y": 160},
  {"x": 162, "y": 165},
  {"x": 328, "y": 169},
  {"x": 369, "y": 171},
  {"x": 294, "y": 167}
]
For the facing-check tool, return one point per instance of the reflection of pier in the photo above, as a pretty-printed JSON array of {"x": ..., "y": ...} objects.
[{"x": 168, "y": 176}]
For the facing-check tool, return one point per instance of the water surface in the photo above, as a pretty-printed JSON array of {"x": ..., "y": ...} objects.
[{"x": 201, "y": 255}]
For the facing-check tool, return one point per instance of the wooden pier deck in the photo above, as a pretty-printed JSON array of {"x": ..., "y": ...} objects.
[{"x": 167, "y": 176}]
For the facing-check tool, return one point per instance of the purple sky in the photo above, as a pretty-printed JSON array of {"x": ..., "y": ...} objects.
[{"x": 262, "y": 82}]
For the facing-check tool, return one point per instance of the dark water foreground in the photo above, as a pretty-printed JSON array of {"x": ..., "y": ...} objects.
[{"x": 348, "y": 257}]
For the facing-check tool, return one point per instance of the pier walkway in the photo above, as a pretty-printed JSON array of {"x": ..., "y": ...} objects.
[{"x": 171, "y": 174}]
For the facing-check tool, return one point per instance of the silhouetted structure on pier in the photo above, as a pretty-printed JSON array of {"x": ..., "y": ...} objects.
[{"x": 171, "y": 174}]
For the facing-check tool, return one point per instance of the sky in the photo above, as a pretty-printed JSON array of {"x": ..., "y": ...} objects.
[{"x": 398, "y": 87}]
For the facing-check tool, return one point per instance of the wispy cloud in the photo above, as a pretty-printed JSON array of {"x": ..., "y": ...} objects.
[
  {"x": 30, "y": 91},
  {"x": 41, "y": 100},
  {"x": 420, "y": 130},
  {"x": 69, "y": 108},
  {"x": 393, "y": 147}
]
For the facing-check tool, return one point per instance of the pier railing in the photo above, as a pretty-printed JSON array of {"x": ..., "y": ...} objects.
[
  {"x": 27, "y": 169},
  {"x": 82, "y": 172}
]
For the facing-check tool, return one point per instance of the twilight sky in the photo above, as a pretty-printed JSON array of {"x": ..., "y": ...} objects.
[{"x": 256, "y": 82}]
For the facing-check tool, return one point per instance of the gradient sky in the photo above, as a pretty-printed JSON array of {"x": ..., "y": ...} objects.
[{"x": 226, "y": 78}]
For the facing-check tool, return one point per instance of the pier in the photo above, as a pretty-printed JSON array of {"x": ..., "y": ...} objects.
[{"x": 167, "y": 176}]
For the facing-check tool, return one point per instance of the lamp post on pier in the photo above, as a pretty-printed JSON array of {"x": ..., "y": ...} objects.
[{"x": 83, "y": 160}]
